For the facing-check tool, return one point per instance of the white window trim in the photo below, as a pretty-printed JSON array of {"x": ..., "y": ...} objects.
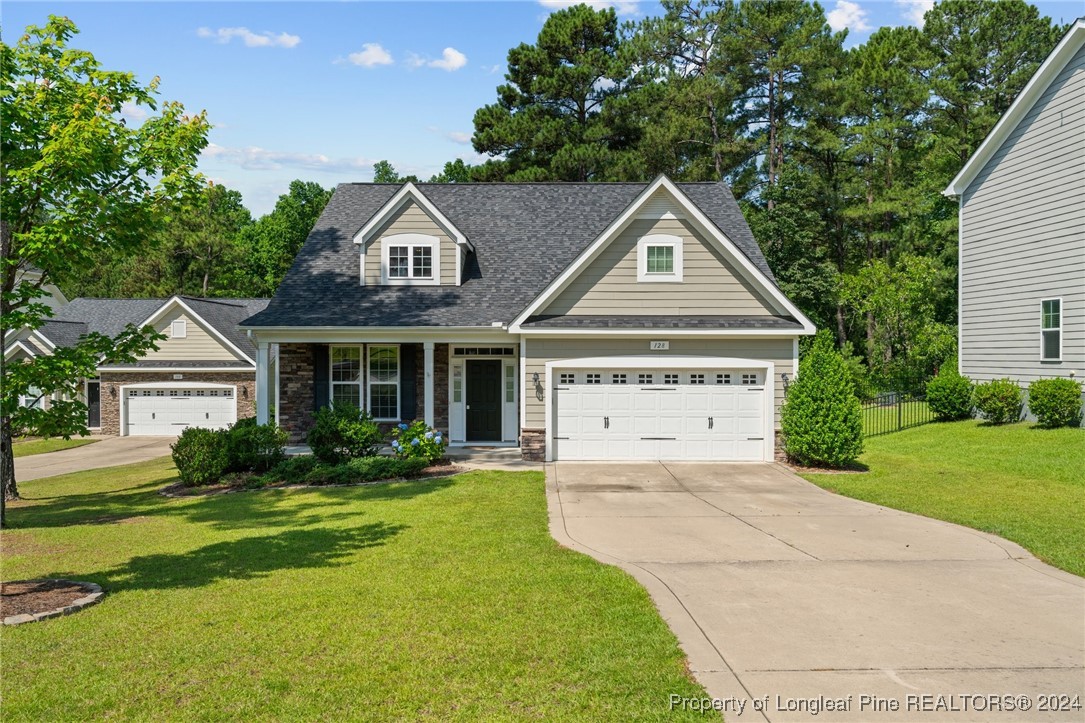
[
  {"x": 179, "y": 325},
  {"x": 411, "y": 241},
  {"x": 658, "y": 239},
  {"x": 1055, "y": 328},
  {"x": 369, "y": 381},
  {"x": 362, "y": 370}
]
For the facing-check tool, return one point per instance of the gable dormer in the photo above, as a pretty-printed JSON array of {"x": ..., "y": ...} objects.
[{"x": 409, "y": 242}]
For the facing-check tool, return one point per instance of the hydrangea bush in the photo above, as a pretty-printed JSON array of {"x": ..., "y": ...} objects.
[{"x": 418, "y": 439}]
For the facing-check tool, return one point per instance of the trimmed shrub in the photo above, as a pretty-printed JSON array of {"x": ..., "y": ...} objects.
[
  {"x": 375, "y": 468},
  {"x": 201, "y": 455},
  {"x": 292, "y": 470},
  {"x": 308, "y": 470},
  {"x": 949, "y": 395},
  {"x": 821, "y": 420},
  {"x": 1055, "y": 402},
  {"x": 417, "y": 440},
  {"x": 999, "y": 400},
  {"x": 255, "y": 447},
  {"x": 341, "y": 432}
]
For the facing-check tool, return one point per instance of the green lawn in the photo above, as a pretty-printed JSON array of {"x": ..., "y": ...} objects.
[
  {"x": 440, "y": 599},
  {"x": 1017, "y": 481},
  {"x": 41, "y": 446}
]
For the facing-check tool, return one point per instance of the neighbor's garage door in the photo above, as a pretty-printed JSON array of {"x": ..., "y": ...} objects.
[
  {"x": 658, "y": 414},
  {"x": 170, "y": 411}
]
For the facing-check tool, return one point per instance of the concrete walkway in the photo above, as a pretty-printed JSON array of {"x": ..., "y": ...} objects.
[
  {"x": 109, "y": 452},
  {"x": 777, "y": 588}
]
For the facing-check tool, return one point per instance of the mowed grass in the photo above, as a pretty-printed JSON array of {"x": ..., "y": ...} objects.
[
  {"x": 1016, "y": 481},
  {"x": 28, "y": 447},
  {"x": 442, "y": 599}
]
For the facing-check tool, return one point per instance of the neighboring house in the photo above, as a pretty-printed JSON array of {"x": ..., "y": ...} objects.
[
  {"x": 203, "y": 373},
  {"x": 1022, "y": 230},
  {"x": 54, "y": 297},
  {"x": 578, "y": 321}
]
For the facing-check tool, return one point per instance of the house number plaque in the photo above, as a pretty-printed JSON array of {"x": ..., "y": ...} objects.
[{"x": 659, "y": 345}]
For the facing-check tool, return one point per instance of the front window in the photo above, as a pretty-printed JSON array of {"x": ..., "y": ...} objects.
[
  {"x": 384, "y": 382},
  {"x": 346, "y": 376},
  {"x": 1051, "y": 329}
]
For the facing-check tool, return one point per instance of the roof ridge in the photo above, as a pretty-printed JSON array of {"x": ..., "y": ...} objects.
[{"x": 528, "y": 183}]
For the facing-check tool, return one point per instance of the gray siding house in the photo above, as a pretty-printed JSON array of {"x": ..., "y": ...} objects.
[{"x": 1022, "y": 230}]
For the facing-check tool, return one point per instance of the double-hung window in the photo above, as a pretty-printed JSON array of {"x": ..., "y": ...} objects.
[
  {"x": 1051, "y": 330},
  {"x": 384, "y": 382},
  {"x": 410, "y": 259},
  {"x": 346, "y": 376},
  {"x": 659, "y": 258}
]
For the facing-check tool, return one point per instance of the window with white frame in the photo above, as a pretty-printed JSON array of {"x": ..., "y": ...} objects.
[
  {"x": 567, "y": 378},
  {"x": 618, "y": 378},
  {"x": 32, "y": 398},
  {"x": 696, "y": 378},
  {"x": 346, "y": 375},
  {"x": 179, "y": 329},
  {"x": 593, "y": 378},
  {"x": 723, "y": 379},
  {"x": 1051, "y": 330},
  {"x": 645, "y": 378},
  {"x": 659, "y": 258},
  {"x": 384, "y": 382},
  {"x": 748, "y": 379},
  {"x": 410, "y": 258},
  {"x": 670, "y": 378}
]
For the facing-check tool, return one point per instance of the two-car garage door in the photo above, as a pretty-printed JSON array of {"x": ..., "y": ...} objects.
[
  {"x": 616, "y": 414},
  {"x": 164, "y": 411}
]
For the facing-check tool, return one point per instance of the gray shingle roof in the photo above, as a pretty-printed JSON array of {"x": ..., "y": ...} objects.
[
  {"x": 524, "y": 236},
  {"x": 63, "y": 333},
  {"x": 663, "y": 322}
]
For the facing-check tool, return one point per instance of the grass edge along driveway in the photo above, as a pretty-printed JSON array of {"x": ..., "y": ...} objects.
[
  {"x": 28, "y": 447},
  {"x": 434, "y": 599},
  {"x": 1017, "y": 481}
]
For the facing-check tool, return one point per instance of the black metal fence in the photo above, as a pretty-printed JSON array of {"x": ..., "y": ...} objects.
[{"x": 893, "y": 412}]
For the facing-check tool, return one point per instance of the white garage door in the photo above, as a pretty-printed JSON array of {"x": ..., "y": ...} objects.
[
  {"x": 659, "y": 414},
  {"x": 170, "y": 411}
]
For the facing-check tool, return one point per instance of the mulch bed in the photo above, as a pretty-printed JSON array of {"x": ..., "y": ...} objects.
[
  {"x": 853, "y": 468},
  {"x": 31, "y": 597}
]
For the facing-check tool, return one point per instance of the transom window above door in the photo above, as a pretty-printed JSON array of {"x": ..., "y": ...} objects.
[{"x": 410, "y": 259}]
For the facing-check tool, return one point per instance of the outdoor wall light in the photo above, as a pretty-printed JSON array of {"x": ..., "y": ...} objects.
[
  {"x": 535, "y": 378},
  {"x": 244, "y": 392},
  {"x": 113, "y": 391},
  {"x": 785, "y": 379}
]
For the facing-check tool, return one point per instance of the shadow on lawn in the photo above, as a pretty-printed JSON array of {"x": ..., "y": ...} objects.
[{"x": 244, "y": 559}]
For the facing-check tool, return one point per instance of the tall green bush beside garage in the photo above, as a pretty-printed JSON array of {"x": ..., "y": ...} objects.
[{"x": 821, "y": 419}]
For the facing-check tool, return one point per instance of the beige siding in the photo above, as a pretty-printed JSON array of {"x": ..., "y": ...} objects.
[
  {"x": 711, "y": 284},
  {"x": 411, "y": 219},
  {"x": 540, "y": 351},
  {"x": 198, "y": 344},
  {"x": 1023, "y": 240}
]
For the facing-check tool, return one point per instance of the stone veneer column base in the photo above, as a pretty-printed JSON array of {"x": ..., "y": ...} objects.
[{"x": 533, "y": 444}]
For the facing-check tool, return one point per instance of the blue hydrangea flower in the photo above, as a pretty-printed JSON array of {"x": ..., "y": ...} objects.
[
  {"x": 403, "y": 426},
  {"x": 437, "y": 439},
  {"x": 395, "y": 443},
  {"x": 429, "y": 435},
  {"x": 414, "y": 442}
]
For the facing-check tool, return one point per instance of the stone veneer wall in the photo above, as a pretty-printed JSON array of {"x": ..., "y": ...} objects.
[
  {"x": 533, "y": 444},
  {"x": 440, "y": 385},
  {"x": 296, "y": 389},
  {"x": 244, "y": 391}
]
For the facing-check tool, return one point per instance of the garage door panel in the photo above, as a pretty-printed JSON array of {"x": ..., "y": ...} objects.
[{"x": 171, "y": 411}]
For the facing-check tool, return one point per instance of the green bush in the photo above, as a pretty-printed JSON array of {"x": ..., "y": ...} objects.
[
  {"x": 201, "y": 455},
  {"x": 1055, "y": 402},
  {"x": 999, "y": 400},
  {"x": 418, "y": 440},
  {"x": 292, "y": 470},
  {"x": 821, "y": 419},
  {"x": 308, "y": 470},
  {"x": 255, "y": 447},
  {"x": 949, "y": 395},
  {"x": 341, "y": 432}
]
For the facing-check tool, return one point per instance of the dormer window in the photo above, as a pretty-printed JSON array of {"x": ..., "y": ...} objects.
[
  {"x": 659, "y": 258},
  {"x": 409, "y": 259}
]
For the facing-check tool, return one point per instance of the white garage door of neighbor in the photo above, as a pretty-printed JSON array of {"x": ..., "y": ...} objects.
[
  {"x": 169, "y": 411},
  {"x": 659, "y": 414}
]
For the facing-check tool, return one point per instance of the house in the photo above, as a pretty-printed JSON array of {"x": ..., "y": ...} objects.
[
  {"x": 578, "y": 321},
  {"x": 203, "y": 373},
  {"x": 1022, "y": 230}
]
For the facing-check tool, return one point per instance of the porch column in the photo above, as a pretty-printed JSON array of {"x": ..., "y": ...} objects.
[
  {"x": 262, "y": 382},
  {"x": 427, "y": 394}
]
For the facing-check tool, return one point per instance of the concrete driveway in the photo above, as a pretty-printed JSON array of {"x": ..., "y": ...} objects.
[
  {"x": 790, "y": 596},
  {"x": 109, "y": 452}
]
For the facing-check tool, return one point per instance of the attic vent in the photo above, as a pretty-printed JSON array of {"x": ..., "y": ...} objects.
[{"x": 658, "y": 206}]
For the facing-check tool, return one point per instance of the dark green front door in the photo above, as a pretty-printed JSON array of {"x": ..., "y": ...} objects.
[{"x": 483, "y": 400}]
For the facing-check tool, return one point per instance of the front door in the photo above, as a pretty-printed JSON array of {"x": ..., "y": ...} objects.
[
  {"x": 94, "y": 404},
  {"x": 483, "y": 400}
]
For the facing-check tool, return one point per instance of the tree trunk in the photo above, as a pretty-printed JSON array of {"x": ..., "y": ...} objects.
[
  {"x": 717, "y": 158},
  {"x": 772, "y": 138}
]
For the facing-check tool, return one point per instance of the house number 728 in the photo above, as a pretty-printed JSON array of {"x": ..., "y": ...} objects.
[{"x": 660, "y": 345}]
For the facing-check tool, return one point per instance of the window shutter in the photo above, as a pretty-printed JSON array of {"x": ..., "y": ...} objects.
[
  {"x": 408, "y": 383},
  {"x": 321, "y": 371}
]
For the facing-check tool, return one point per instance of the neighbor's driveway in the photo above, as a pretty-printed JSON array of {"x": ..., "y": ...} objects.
[
  {"x": 109, "y": 452},
  {"x": 775, "y": 587}
]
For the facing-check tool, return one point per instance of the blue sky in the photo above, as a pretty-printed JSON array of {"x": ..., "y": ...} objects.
[{"x": 320, "y": 91}]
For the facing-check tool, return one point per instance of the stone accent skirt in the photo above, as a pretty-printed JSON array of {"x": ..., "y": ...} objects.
[{"x": 533, "y": 444}]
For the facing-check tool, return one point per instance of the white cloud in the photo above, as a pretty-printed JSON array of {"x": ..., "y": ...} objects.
[
  {"x": 133, "y": 112},
  {"x": 914, "y": 10},
  {"x": 450, "y": 60},
  {"x": 621, "y": 7},
  {"x": 848, "y": 15},
  {"x": 253, "y": 158},
  {"x": 370, "y": 56},
  {"x": 491, "y": 69},
  {"x": 459, "y": 137},
  {"x": 266, "y": 39}
]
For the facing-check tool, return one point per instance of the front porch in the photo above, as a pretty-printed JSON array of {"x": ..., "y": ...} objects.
[{"x": 469, "y": 390}]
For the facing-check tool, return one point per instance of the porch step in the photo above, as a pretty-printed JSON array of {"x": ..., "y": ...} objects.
[{"x": 484, "y": 454}]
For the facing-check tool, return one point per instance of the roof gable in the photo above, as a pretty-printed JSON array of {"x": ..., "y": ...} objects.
[
  {"x": 1064, "y": 52},
  {"x": 407, "y": 194}
]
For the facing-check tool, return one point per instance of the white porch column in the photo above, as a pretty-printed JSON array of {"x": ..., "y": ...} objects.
[
  {"x": 262, "y": 382},
  {"x": 427, "y": 364}
]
